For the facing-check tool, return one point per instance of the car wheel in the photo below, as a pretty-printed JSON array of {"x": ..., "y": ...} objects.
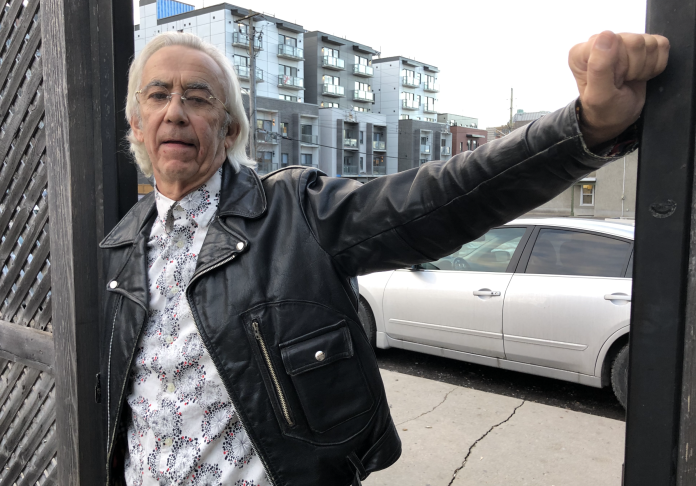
[
  {"x": 368, "y": 322},
  {"x": 619, "y": 376}
]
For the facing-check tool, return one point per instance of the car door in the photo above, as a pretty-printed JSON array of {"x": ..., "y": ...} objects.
[
  {"x": 456, "y": 302},
  {"x": 569, "y": 297}
]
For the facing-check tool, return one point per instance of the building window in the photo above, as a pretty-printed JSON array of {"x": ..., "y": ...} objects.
[
  {"x": 361, "y": 109},
  {"x": 241, "y": 60},
  {"x": 362, "y": 86},
  {"x": 327, "y": 51},
  {"x": 443, "y": 142},
  {"x": 461, "y": 146},
  {"x": 362, "y": 163},
  {"x": 411, "y": 76},
  {"x": 404, "y": 117},
  {"x": 287, "y": 70},
  {"x": 424, "y": 140},
  {"x": 243, "y": 28},
  {"x": 284, "y": 129},
  {"x": 288, "y": 41},
  {"x": 266, "y": 125},
  {"x": 377, "y": 136},
  {"x": 284, "y": 160},
  {"x": 429, "y": 103},
  {"x": 474, "y": 144},
  {"x": 306, "y": 159},
  {"x": 363, "y": 60},
  {"x": 587, "y": 195},
  {"x": 361, "y": 137},
  {"x": 423, "y": 161},
  {"x": 287, "y": 98},
  {"x": 378, "y": 165},
  {"x": 329, "y": 104},
  {"x": 335, "y": 80},
  {"x": 429, "y": 79}
]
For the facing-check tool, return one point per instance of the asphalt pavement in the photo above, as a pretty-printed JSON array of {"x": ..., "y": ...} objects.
[{"x": 456, "y": 435}]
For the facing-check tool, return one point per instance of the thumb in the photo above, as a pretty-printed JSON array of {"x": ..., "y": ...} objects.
[{"x": 604, "y": 66}]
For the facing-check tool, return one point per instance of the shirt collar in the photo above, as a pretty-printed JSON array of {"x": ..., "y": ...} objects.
[{"x": 200, "y": 205}]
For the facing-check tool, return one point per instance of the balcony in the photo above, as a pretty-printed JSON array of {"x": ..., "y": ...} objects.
[
  {"x": 265, "y": 167},
  {"x": 360, "y": 95},
  {"x": 290, "y": 52},
  {"x": 263, "y": 136},
  {"x": 309, "y": 139},
  {"x": 379, "y": 170},
  {"x": 333, "y": 90},
  {"x": 433, "y": 87},
  {"x": 316, "y": 166},
  {"x": 330, "y": 62},
  {"x": 410, "y": 104},
  {"x": 425, "y": 149},
  {"x": 410, "y": 82},
  {"x": 379, "y": 145},
  {"x": 242, "y": 40},
  {"x": 429, "y": 108},
  {"x": 445, "y": 150},
  {"x": 291, "y": 82},
  {"x": 362, "y": 70},
  {"x": 243, "y": 72},
  {"x": 350, "y": 170},
  {"x": 350, "y": 143}
]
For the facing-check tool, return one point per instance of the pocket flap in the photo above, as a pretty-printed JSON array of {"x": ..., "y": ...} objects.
[{"x": 316, "y": 349}]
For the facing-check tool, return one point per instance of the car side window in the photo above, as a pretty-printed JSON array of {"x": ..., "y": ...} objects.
[
  {"x": 490, "y": 253},
  {"x": 565, "y": 252}
]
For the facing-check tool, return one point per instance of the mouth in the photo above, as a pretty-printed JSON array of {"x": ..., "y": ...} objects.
[{"x": 177, "y": 143}]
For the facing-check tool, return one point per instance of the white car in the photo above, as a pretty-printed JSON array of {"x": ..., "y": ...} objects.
[{"x": 550, "y": 297}]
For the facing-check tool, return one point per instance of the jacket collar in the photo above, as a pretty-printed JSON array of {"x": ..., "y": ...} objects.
[{"x": 241, "y": 194}]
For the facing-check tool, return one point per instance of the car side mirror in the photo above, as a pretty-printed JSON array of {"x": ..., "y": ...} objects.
[{"x": 416, "y": 267}]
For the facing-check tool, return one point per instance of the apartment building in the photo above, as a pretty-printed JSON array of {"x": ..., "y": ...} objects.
[
  {"x": 355, "y": 144},
  {"x": 280, "y": 59},
  {"x": 422, "y": 141},
  {"x": 465, "y": 133},
  {"x": 338, "y": 72}
]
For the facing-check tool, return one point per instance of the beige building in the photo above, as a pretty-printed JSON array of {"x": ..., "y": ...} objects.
[{"x": 609, "y": 192}]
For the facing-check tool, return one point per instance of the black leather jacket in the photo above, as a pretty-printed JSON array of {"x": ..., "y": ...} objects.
[{"x": 275, "y": 283}]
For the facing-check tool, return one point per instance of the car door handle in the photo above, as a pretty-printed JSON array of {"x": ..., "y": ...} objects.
[
  {"x": 625, "y": 297},
  {"x": 487, "y": 293}
]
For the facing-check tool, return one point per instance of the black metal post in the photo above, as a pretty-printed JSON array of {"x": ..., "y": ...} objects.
[{"x": 663, "y": 217}]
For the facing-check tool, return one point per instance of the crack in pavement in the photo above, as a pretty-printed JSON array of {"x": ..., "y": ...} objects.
[
  {"x": 466, "y": 458},
  {"x": 426, "y": 413}
]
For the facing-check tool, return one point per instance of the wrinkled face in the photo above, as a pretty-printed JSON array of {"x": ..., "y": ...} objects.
[{"x": 185, "y": 144}]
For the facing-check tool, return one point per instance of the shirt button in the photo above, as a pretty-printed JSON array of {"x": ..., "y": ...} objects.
[
  {"x": 168, "y": 441},
  {"x": 170, "y": 387},
  {"x": 180, "y": 244},
  {"x": 175, "y": 290},
  {"x": 240, "y": 246},
  {"x": 169, "y": 339},
  {"x": 113, "y": 284}
]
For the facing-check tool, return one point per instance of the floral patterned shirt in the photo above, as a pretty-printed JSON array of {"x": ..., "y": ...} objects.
[{"x": 183, "y": 429}]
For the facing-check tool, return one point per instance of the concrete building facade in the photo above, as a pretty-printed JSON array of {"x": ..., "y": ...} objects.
[
  {"x": 338, "y": 72},
  {"x": 355, "y": 144},
  {"x": 420, "y": 142},
  {"x": 280, "y": 59}
]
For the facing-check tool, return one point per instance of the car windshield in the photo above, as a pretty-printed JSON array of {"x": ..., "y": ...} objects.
[{"x": 490, "y": 253}]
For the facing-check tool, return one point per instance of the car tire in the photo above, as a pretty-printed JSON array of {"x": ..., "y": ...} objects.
[
  {"x": 619, "y": 376},
  {"x": 368, "y": 322}
]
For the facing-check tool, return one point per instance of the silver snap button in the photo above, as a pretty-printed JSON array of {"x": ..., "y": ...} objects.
[
  {"x": 319, "y": 355},
  {"x": 240, "y": 246},
  {"x": 113, "y": 284}
]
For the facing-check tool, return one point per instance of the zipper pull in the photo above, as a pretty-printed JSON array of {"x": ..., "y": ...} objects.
[
  {"x": 97, "y": 389},
  {"x": 257, "y": 333}
]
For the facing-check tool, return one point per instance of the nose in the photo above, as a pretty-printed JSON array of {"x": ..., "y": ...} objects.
[{"x": 176, "y": 112}]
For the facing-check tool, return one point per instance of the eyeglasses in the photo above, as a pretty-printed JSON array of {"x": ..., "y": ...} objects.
[{"x": 197, "y": 100}]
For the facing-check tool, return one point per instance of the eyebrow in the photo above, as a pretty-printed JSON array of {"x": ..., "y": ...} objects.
[{"x": 192, "y": 85}]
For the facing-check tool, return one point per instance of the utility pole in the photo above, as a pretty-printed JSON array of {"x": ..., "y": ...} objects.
[
  {"x": 510, "y": 109},
  {"x": 251, "y": 34}
]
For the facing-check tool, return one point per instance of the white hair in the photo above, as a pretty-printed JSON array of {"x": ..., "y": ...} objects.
[{"x": 232, "y": 93}]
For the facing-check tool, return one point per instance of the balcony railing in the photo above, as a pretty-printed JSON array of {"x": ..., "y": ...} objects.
[
  {"x": 309, "y": 139},
  {"x": 360, "y": 95},
  {"x": 263, "y": 136},
  {"x": 309, "y": 165},
  {"x": 362, "y": 70},
  {"x": 445, "y": 150},
  {"x": 350, "y": 170},
  {"x": 379, "y": 170},
  {"x": 350, "y": 143},
  {"x": 429, "y": 108},
  {"x": 379, "y": 145},
  {"x": 292, "y": 82},
  {"x": 290, "y": 52},
  {"x": 410, "y": 82},
  {"x": 243, "y": 72},
  {"x": 410, "y": 104},
  {"x": 433, "y": 86},
  {"x": 330, "y": 62},
  {"x": 333, "y": 90},
  {"x": 265, "y": 167},
  {"x": 425, "y": 149},
  {"x": 242, "y": 40}
]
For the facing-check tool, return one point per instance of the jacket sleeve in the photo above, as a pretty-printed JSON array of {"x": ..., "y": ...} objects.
[{"x": 423, "y": 214}]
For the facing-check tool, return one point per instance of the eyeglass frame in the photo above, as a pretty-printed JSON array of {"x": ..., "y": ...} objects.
[{"x": 181, "y": 95}]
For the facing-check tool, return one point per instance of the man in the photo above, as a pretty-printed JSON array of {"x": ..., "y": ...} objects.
[{"x": 233, "y": 353}]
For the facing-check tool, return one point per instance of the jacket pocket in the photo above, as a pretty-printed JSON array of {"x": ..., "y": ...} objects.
[{"x": 327, "y": 378}]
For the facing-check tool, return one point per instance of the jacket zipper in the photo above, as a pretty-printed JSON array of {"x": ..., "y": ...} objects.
[
  {"x": 274, "y": 377},
  {"x": 224, "y": 383}
]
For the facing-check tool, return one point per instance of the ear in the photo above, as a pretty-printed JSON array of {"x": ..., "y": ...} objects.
[
  {"x": 232, "y": 135},
  {"x": 137, "y": 131}
]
